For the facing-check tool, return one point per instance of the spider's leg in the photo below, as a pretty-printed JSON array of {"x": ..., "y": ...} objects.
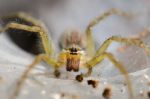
[
  {"x": 26, "y": 73},
  {"x": 22, "y": 18},
  {"x": 88, "y": 73},
  {"x": 129, "y": 41},
  {"x": 26, "y": 17},
  {"x": 43, "y": 34},
  {"x": 99, "y": 58},
  {"x": 90, "y": 42}
]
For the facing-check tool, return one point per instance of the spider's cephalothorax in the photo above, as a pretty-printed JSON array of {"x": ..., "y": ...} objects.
[{"x": 73, "y": 43}]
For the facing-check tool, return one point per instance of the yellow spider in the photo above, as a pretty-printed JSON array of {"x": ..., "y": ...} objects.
[{"x": 72, "y": 55}]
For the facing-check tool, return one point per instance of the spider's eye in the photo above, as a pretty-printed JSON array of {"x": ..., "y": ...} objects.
[{"x": 73, "y": 50}]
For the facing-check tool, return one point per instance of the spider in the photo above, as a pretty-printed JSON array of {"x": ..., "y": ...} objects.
[{"x": 73, "y": 56}]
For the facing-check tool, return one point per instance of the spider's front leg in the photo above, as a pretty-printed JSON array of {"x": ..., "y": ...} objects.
[
  {"x": 94, "y": 22},
  {"x": 90, "y": 43},
  {"x": 129, "y": 41},
  {"x": 22, "y": 18},
  {"x": 43, "y": 35},
  {"x": 39, "y": 28},
  {"x": 46, "y": 43},
  {"x": 29, "y": 24},
  {"x": 99, "y": 58},
  {"x": 38, "y": 59}
]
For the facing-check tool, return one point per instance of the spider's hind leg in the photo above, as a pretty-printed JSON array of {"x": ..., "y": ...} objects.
[
  {"x": 22, "y": 18},
  {"x": 94, "y": 22},
  {"x": 129, "y": 41},
  {"x": 22, "y": 79},
  {"x": 41, "y": 32},
  {"x": 99, "y": 58},
  {"x": 20, "y": 28}
]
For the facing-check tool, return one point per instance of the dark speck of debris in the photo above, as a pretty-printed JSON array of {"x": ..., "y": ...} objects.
[
  {"x": 68, "y": 96},
  {"x": 57, "y": 73},
  {"x": 79, "y": 78},
  {"x": 125, "y": 84},
  {"x": 148, "y": 94},
  {"x": 106, "y": 93},
  {"x": 62, "y": 94},
  {"x": 94, "y": 83}
]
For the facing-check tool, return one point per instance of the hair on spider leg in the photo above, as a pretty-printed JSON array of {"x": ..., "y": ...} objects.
[{"x": 142, "y": 35}]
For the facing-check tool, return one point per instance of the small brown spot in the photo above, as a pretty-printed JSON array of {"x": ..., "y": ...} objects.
[
  {"x": 69, "y": 96},
  {"x": 62, "y": 95},
  {"x": 98, "y": 75},
  {"x": 106, "y": 93},
  {"x": 79, "y": 78},
  {"x": 148, "y": 94},
  {"x": 94, "y": 83},
  {"x": 125, "y": 84},
  {"x": 122, "y": 90},
  {"x": 148, "y": 83},
  {"x": 57, "y": 73}
]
